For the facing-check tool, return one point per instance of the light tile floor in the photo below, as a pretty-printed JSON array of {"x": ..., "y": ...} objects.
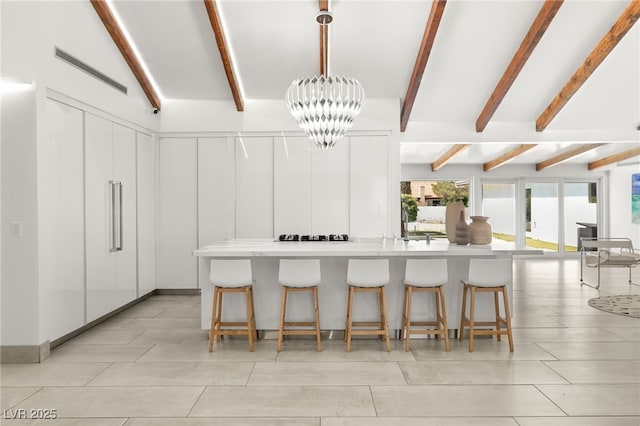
[{"x": 572, "y": 365}]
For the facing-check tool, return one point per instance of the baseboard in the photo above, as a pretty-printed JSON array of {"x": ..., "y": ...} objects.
[
  {"x": 177, "y": 291},
  {"x": 38, "y": 353},
  {"x": 97, "y": 321},
  {"x": 25, "y": 354}
]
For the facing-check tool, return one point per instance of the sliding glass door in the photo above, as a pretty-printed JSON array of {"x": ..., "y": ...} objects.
[
  {"x": 542, "y": 212},
  {"x": 550, "y": 215},
  {"x": 499, "y": 204},
  {"x": 580, "y": 213}
]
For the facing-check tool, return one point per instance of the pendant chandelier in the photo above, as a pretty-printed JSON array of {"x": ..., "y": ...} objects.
[{"x": 324, "y": 106}]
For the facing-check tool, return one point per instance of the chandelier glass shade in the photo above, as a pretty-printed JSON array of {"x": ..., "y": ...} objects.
[{"x": 325, "y": 106}]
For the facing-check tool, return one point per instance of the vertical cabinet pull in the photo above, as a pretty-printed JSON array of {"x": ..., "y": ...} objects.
[
  {"x": 119, "y": 247},
  {"x": 115, "y": 188},
  {"x": 112, "y": 192}
]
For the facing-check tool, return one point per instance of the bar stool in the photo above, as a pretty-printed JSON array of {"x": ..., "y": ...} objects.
[
  {"x": 492, "y": 276},
  {"x": 299, "y": 276},
  {"x": 232, "y": 276},
  {"x": 427, "y": 276},
  {"x": 367, "y": 276}
]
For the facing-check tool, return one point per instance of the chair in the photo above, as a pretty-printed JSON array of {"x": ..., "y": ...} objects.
[
  {"x": 427, "y": 276},
  {"x": 607, "y": 253},
  {"x": 367, "y": 276},
  {"x": 232, "y": 276},
  {"x": 299, "y": 276},
  {"x": 487, "y": 275}
]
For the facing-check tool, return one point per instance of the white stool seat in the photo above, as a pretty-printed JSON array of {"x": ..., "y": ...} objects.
[
  {"x": 426, "y": 272},
  {"x": 299, "y": 275},
  {"x": 426, "y": 276},
  {"x": 232, "y": 276},
  {"x": 231, "y": 273},
  {"x": 371, "y": 275},
  {"x": 489, "y": 272},
  {"x": 368, "y": 273}
]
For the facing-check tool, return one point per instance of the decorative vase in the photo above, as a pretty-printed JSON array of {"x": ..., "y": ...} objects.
[
  {"x": 462, "y": 231},
  {"x": 451, "y": 216},
  {"x": 480, "y": 230}
]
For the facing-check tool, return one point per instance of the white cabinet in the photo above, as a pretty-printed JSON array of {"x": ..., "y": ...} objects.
[
  {"x": 61, "y": 223},
  {"x": 147, "y": 159},
  {"x": 368, "y": 180},
  {"x": 254, "y": 187},
  {"x": 178, "y": 213},
  {"x": 110, "y": 209},
  {"x": 330, "y": 189},
  {"x": 292, "y": 185},
  {"x": 216, "y": 206}
]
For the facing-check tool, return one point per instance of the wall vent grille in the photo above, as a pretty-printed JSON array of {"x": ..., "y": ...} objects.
[{"x": 61, "y": 54}]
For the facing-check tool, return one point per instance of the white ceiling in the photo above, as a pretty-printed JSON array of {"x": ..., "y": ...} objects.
[{"x": 274, "y": 42}]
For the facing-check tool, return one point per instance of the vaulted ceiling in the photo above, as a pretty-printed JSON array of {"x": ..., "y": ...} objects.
[{"x": 533, "y": 51}]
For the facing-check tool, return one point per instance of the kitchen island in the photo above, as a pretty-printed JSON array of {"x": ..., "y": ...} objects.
[{"x": 334, "y": 255}]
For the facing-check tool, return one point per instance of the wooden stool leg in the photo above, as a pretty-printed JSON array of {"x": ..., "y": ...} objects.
[
  {"x": 436, "y": 298},
  {"x": 507, "y": 317},
  {"x": 253, "y": 316},
  {"x": 315, "y": 307},
  {"x": 212, "y": 332},
  {"x": 247, "y": 295},
  {"x": 462, "y": 316},
  {"x": 219, "y": 316},
  {"x": 472, "y": 304},
  {"x": 403, "y": 327},
  {"x": 444, "y": 319},
  {"x": 379, "y": 291},
  {"x": 496, "y": 304},
  {"x": 283, "y": 308},
  {"x": 409, "y": 301},
  {"x": 386, "y": 321},
  {"x": 349, "y": 318}
]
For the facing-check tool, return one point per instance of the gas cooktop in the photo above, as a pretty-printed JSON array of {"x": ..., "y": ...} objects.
[{"x": 330, "y": 237}]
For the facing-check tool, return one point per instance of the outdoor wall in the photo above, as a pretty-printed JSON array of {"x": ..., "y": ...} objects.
[{"x": 619, "y": 205}]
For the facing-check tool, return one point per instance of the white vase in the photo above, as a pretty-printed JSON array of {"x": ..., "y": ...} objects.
[{"x": 451, "y": 217}]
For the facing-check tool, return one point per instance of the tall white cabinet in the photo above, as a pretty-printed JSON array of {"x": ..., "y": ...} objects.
[
  {"x": 178, "y": 213},
  {"x": 254, "y": 187},
  {"x": 110, "y": 216},
  {"x": 147, "y": 178},
  {"x": 61, "y": 223}
]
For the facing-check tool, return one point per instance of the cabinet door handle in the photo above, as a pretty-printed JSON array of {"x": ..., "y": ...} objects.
[
  {"x": 112, "y": 190},
  {"x": 119, "y": 247}
]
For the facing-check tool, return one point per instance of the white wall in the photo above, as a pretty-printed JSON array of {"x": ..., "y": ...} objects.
[
  {"x": 31, "y": 31},
  {"x": 619, "y": 205},
  {"x": 20, "y": 294}
]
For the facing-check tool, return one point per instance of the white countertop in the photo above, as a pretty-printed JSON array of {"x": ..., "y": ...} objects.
[{"x": 357, "y": 247}]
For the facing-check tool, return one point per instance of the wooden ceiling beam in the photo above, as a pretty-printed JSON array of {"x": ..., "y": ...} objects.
[
  {"x": 430, "y": 31},
  {"x": 567, "y": 155},
  {"x": 536, "y": 31},
  {"x": 221, "y": 41},
  {"x": 114, "y": 30},
  {"x": 624, "y": 155},
  {"x": 598, "y": 54},
  {"x": 444, "y": 159},
  {"x": 507, "y": 156}
]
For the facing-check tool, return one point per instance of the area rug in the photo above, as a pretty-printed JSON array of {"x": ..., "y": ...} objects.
[{"x": 627, "y": 305}]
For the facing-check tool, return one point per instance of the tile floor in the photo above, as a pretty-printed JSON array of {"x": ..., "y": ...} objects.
[{"x": 572, "y": 365}]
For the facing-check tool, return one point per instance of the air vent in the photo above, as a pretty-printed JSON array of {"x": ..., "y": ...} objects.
[{"x": 61, "y": 54}]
